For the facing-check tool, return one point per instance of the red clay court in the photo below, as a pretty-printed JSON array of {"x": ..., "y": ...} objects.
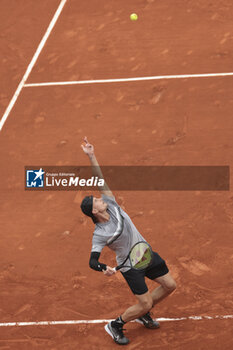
[{"x": 157, "y": 91}]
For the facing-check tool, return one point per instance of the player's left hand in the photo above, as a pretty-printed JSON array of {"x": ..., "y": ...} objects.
[{"x": 87, "y": 147}]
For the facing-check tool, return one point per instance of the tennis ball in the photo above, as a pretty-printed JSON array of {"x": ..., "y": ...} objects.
[{"x": 133, "y": 16}]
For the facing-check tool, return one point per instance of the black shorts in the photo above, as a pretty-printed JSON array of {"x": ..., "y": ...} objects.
[{"x": 136, "y": 278}]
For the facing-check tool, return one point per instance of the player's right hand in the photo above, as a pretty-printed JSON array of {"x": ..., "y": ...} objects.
[{"x": 109, "y": 271}]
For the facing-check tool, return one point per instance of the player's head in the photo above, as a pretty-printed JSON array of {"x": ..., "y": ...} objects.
[{"x": 92, "y": 206}]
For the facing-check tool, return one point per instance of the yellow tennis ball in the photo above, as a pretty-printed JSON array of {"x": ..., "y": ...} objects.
[{"x": 133, "y": 16}]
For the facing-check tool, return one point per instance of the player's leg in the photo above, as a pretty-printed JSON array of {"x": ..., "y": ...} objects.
[
  {"x": 139, "y": 311},
  {"x": 136, "y": 282},
  {"x": 115, "y": 328},
  {"x": 145, "y": 303},
  {"x": 159, "y": 273},
  {"x": 167, "y": 286}
]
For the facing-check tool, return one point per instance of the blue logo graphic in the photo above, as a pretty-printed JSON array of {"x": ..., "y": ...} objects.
[{"x": 35, "y": 178}]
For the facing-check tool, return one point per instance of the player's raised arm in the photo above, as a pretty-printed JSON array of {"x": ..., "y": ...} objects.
[{"x": 89, "y": 150}]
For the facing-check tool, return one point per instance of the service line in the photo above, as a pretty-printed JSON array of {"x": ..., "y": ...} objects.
[
  {"x": 32, "y": 63},
  {"x": 125, "y": 80},
  {"x": 72, "y": 322}
]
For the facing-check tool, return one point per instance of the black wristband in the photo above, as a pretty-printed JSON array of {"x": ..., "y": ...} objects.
[
  {"x": 95, "y": 264},
  {"x": 102, "y": 266}
]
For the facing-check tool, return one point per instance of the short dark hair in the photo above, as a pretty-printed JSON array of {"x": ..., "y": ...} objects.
[{"x": 87, "y": 206}]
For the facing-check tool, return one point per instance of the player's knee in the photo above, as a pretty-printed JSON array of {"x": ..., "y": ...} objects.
[
  {"x": 171, "y": 286},
  {"x": 147, "y": 304}
]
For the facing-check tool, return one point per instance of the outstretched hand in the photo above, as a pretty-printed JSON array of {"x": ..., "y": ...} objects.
[{"x": 87, "y": 147}]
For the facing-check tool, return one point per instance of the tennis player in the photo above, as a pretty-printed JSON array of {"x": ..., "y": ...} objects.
[{"x": 103, "y": 212}]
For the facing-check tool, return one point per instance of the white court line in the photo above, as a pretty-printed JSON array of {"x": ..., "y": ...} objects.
[
  {"x": 71, "y": 322},
  {"x": 123, "y": 80},
  {"x": 32, "y": 63}
]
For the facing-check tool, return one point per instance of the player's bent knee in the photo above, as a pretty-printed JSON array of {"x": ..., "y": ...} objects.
[
  {"x": 171, "y": 286},
  {"x": 168, "y": 284},
  {"x": 146, "y": 304},
  {"x": 147, "y": 307}
]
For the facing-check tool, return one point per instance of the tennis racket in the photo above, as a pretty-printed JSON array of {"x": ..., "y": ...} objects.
[
  {"x": 140, "y": 257},
  {"x": 120, "y": 227}
]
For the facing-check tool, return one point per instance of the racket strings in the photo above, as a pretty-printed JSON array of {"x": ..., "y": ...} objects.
[{"x": 140, "y": 256}]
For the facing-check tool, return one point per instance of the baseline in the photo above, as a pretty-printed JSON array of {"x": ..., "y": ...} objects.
[{"x": 71, "y": 322}]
